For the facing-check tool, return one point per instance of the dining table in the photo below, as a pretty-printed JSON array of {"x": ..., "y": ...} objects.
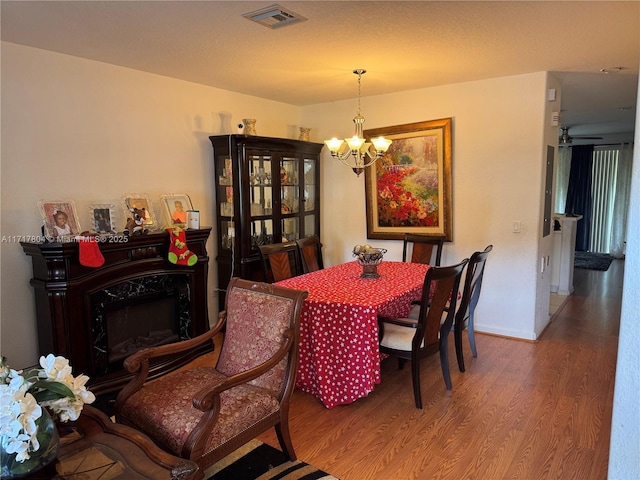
[{"x": 339, "y": 354}]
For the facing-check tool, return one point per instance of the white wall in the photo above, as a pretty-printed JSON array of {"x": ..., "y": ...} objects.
[
  {"x": 624, "y": 461},
  {"x": 91, "y": 132},
  {"x": 498, "y": 157}
]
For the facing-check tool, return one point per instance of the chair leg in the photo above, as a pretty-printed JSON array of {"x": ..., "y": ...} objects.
[
  {"x": 415, "y": 374},
  {"x": 472, "y": 337},
  {"x": 284, "y": 438},
  {"x": 457, "y": 338},
  {"x": 444, "y": 360},
  {"x": 401, "y": 362}
]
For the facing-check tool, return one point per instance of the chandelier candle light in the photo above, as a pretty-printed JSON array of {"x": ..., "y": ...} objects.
[{"x": 364, "y": 153}]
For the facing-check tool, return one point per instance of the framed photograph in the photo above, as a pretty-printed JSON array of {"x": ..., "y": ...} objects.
[
  {"x": 102, "y": 218},
  {"x": 408, "y": 190},
  {"x": 140, "y": 200},
  {"x": 60, "y": 218},
  {"x": 175, "y": 207}
]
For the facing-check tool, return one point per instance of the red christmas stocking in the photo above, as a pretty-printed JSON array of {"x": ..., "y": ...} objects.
[
  {"x": 178, "y": 251},
  {"x": 90, "y": 255}
]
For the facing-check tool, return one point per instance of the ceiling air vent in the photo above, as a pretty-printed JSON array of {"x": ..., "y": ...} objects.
[{"x": 274, "y": 16}]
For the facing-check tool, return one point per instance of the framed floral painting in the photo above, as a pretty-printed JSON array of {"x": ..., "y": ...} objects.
[{"x": 408, "y": 190}]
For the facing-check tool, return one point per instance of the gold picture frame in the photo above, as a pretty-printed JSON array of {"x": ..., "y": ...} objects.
[{"x": 408, "y": 190}]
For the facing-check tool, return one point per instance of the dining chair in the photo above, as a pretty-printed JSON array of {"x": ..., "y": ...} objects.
[
  {"x": 467, "y": 305},
  {"x": 422, "y": 247},
  {"x": 310, "y": 250},
  {"x": 205, "y": 412},
  {"x": 427, "y": 333},
  {"x": 280, "y": 261}
]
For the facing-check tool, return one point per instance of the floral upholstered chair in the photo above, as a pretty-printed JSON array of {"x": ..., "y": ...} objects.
[{"x": 204, "y": 413}]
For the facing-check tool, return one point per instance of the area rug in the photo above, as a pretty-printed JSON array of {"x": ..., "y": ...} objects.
[
  {"x": 259, "y": 461},
  {"x": 592, "y": 261}
]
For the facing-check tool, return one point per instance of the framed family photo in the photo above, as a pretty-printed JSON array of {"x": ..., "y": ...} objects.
[
  {"x": 140, "y": 200},
  {"x": 176, "y": 206},
  {"x": 408, "y": 190},
  {"x": 60, "y": 218},
  {"x": 103, "y": 217}
]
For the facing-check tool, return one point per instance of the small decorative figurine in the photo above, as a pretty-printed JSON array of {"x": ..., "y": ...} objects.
[{"x": 135, "y": 224}]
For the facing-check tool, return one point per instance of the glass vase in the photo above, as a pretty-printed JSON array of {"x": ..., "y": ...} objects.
[{"x": 49, "y": 440}]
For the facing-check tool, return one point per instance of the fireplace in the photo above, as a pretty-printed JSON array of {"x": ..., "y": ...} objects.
[
  {"x": 96, "y": 317},
  {"x": 143, "y": 312}
]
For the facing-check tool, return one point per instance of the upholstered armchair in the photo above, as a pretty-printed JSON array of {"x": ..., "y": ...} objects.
[{"x": 206, "y": 412}]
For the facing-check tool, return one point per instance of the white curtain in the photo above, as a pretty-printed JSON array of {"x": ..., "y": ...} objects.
[
  {"x": 562, "y": 178},
  {"x": 621, "y": 201}
]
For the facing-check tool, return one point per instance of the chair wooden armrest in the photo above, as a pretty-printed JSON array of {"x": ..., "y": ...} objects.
[{"x": 208, "y": 399}]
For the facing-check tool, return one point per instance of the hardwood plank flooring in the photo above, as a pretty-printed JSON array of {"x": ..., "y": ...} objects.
[{"x": 522, "y": 410}]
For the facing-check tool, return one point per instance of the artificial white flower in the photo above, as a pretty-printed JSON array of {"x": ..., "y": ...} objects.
[
  {"x": 55, "y": 369},
  {"x": 22, "y": 397}
]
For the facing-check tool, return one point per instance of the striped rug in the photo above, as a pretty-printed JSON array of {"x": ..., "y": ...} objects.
[{"x": 259, "y": 461}]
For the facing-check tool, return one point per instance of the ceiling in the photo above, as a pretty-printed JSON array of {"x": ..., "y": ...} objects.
[{"x": 402, "y": 45}]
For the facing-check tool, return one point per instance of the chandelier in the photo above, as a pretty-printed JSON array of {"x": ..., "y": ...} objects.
[{"x": 356, "y": 152}]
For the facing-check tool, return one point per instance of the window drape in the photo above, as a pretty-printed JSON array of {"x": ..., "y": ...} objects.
[
  {"x": 562, "y": 178},
  {"x": 579, "y": 192},
  {"x": 621, "y": 201}
]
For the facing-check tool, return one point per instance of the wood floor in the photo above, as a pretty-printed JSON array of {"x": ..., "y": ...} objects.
[{"x": 522, "y": 410}]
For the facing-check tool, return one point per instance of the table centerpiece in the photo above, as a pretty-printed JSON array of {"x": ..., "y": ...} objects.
[{"x": 369, "y": 258}]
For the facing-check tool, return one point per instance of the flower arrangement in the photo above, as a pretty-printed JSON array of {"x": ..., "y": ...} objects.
[{"x": 23, "y": 396}]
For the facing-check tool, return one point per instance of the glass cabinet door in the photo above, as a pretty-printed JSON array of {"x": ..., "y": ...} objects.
[
  {"x": 290, "y": 230},
  {"x": 310, "y": 225},
  {"x": 260, "y": 200},
  {"x": 309, "y": 185},
  {"x": 289, "y": 186},
  {"x": 289, "y": 198},
  {"x": 225, "y": 193}
]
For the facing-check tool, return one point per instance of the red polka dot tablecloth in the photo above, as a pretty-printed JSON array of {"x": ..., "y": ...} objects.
[{"x": 339, "y": 356}]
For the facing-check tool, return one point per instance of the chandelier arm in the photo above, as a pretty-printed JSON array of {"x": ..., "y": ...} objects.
[
  {"x": 354, "y": 165},
  {"x": 342, "y": 156}
]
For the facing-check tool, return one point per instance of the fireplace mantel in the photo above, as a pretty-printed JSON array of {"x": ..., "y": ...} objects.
[{"x": 64, "y": 290}]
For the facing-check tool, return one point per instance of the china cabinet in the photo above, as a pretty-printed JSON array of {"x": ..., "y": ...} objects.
[{"x": 267, "y": 191}]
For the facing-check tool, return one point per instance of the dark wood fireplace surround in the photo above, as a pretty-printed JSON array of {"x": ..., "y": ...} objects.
[{"x": 64, "y": 289}]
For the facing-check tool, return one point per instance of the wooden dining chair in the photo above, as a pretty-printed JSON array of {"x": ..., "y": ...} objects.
[
  {"x": 414, "y": 338},
  {"x": 280, "y": 261},
  {"x": 467, "y": 305},
  {"x": 310, "y": 250},
  {"x": 422, "y": 247}
]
